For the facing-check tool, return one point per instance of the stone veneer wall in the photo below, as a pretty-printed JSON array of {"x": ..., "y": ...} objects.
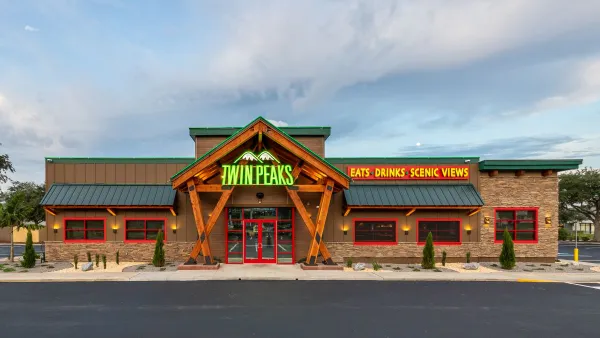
[
  {"x": 128, "y": 252},
  {"x": 503, "y": 190}
]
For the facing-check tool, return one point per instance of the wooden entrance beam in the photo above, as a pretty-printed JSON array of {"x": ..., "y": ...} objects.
[
  {"x": 311, "y": 258},
  {"x": 202, "y": 242},
  {"x": 309, "y": 223}
]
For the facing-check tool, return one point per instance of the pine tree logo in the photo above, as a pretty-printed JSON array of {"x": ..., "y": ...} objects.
[{"x": 264, "y": 156}]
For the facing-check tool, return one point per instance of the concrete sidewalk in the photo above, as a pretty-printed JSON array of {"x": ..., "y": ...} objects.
[{"x": 288, "y": 272}]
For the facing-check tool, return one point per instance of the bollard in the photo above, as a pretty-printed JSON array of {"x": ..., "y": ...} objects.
[{"x": 576, "y": 255}]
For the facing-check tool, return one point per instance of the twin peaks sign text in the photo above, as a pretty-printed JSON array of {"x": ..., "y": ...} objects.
[{"x": 253, "y": 169}]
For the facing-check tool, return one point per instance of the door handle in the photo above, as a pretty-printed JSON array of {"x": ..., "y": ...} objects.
[{"x": 260, "y": 245}]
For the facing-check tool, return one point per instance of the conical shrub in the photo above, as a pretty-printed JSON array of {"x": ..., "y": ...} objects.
[
  {"x": 159, "y": 252},
  {"x": 29, "y": 254},
  {"x": 428, "y": 261},
  {"x": 507, "y": 256}
]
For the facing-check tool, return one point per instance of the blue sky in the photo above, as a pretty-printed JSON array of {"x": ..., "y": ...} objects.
[{"x": 495, "y": 79}]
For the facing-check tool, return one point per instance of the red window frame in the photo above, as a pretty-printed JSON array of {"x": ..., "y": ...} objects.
[
  {"x": 460, "y": 229},
  {"x": 395, "y": 242},
  {"x": 84, "y": 229},
  {"x": 514, "y": 219},
  {"x": 125, "y": 240},
  {"x": 276, "y": 220}
]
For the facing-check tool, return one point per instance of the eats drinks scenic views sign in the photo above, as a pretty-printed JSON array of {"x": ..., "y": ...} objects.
[
  {"x": 252, "y": 169},
  {"x": 383, "y": 172}
]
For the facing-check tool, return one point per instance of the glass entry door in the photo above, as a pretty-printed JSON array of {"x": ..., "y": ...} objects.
[{"x": 259, "y": 241}]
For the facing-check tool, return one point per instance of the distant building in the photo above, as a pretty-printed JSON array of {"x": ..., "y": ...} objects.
[{"x": 587, "y": 227}]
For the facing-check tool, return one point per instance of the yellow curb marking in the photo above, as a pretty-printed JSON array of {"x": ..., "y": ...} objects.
[{"x": 524, "y": 280}]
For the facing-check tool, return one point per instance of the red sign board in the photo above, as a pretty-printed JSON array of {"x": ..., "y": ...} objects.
[{"x": 403, "y": 172}]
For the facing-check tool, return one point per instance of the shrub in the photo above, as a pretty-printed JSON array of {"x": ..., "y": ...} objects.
[
  {"x": 158, "y": 259},
  {"x": 117, "y": 257},
  {"x": 89, "y": 256},
  {"x": 563, "y": 234},
  {"x": 468, "y": 257},
  {"x": 29, "y": 254},
  {"x": 75, "y": 260},
  {"x": 428, "y": 261},
  {"x": 97, "y": 260},
  {"x": 349, "y": 263},
  {"x": 104, "y": 261},
  {"x": 376, "y": 266},
  {"x": 507, "y": 256},
  {"x": 444, "y": 258}
]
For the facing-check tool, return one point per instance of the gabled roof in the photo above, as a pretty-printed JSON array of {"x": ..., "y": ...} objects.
[
  {"x": 109, "y": 195},
  {"x": 413, "y": 195},
  {"x": 292, "y": 131},
  {"x": 345, "y": 179},
  {"x": 532, "y": 165}
]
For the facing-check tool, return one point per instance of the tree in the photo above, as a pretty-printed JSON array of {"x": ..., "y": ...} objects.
[
  {"x": 29, "y": 254},
  {"x": 428, "y": 261},
  {"x": 507, "y": 255},
  {"x": 13, "y": 214},
  {"x": 33, "y": 196},
  {"x": 579, "y": 196},
  {"x": 159, "y": 252},
  {"x": 5, "y": 167}
]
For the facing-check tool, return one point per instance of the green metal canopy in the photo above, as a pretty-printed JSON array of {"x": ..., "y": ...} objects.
[
  {"x": 109, "y": 195},
  {"x": 413, "y": 195}
]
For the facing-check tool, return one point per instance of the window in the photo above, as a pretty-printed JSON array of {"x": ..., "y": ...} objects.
[
  {"x": 375, "y": 231},
  {"x": 444, "y": 231},
  {"x": 285, "y": 235},
  {"x": 142, "y": 230},
  {"x": 521, "y": 224},
  {"x": 235, "y": 235},
  {"x": 85, "y": 229}
]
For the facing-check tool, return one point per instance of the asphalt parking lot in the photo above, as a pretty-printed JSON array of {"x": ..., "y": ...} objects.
[
  {"x": 298, "y": 309},
  {"x": 19, "y": 249},
  {"x": 588, "y": 252}
]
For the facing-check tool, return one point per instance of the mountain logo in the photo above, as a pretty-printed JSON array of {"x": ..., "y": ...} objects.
[{"x": 264, "y": 156}]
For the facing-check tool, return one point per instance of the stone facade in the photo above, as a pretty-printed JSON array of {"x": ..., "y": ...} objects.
[{"x": 128, "y": 252}]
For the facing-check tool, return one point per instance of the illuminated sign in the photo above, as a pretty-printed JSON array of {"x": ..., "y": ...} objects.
[
  {"x": 259, "y": 173},
  {"x": 382, "y": 172}
]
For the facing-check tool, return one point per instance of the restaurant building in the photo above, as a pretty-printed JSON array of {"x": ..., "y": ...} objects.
[{"x": 267, "y": 194}]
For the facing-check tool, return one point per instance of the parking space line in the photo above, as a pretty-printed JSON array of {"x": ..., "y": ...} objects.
[{"x": 586, "y": 286}]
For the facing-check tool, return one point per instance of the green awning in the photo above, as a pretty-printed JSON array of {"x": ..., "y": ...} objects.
[
  {"x": 413, "y": 195},
  {"x": 109, "y": 195}
]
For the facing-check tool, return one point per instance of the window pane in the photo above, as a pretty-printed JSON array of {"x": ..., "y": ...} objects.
[
  {"x": 235, "y": 236},
  {"x": 501, "y": 225},
  {"x": 234, "y": 213},
  {"x": 284, "y": 213},
  {"x": 375, "y": 231},
  {"x": 260, "y": 213},
  {"x": 526, "y": 236},
  {"x": 134, "y": 225},
  {"x": 74, "y": 234},
  {"x": 441, "y": 231},
  {"x": 95, "y": 234},
  {"x": 284, "y": 225},
  {"x": 234, "y": 257},
  {"x": 94, "y": 224},
  {"x": 284, "y": 259},
  {"x": 500, "y": 235},
  {"x": 155, "y": 225},
  {"x": 152, "y": 235},
  {"x": 284, "y": 236},
  {"x": 135, "y": 235},
  {"x": 283, "y": 248},
  {"x": 233, "y": 247},
  {"x": 525, "y": 225},
  {"x": 505, "y": 214},
  {"x": 526, "y": 214},
  {"x": 235, "y": 225},
  {"x": 74, "y": 225}
]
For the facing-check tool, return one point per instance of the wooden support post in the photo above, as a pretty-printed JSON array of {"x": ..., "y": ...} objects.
[
  {"x": 111, "y": 212},
  {"x": 347, "y": 211},
  {"x": 50, "y": 211},
  {"x": 546, "y": 173},
  {"x": 473, "y": 212},
  {"x": 309, "y": 223},
  {"x": 202, "y": 242},
  {"x": 493, "y": 173},
  {"x": 173, "y": 212},
  {"x": 412, "y": 211},
  {"x": 313, "y": 251},
  {"x": 519, "y": 173}
]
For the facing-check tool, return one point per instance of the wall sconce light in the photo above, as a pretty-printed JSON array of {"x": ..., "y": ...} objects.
[
  {"x": 260, "y": 196},
  {"x": 345, "y": 229},
  {"x": 487, "y": 220},
  {"x": 468, "y": 229},
  {"x": 114, "y": 228},
  {"x": 174, "y": 228},
  {"x": 548, "y": 220},
  {"x": 406, "y": 228},
  {"x": 55, "y": 227}
]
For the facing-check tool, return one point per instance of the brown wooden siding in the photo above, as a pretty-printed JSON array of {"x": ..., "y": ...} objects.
[
  {"x": 206, "y": 143},
  {"x": 314, "y": 143}
]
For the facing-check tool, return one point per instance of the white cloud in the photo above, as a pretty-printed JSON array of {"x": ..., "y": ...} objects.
[
  {"x": 278, "y": 123},
  {"x": 31, "y": 29}
]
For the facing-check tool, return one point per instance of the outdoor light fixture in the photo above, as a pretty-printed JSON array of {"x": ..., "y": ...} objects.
[
  {"x": 55, "y": 227},
  {"x": 174, "y": 228},
  {"x": 406, "y": 228},
  {"x": 114, "y": 228},
  {"x": 487, "y": 220},
  {"x": 260, "y": 196},
  {"x": 345, "y": 229},
  {"x": 548, "y": 220},
  {"x": 468, "y": 228}
]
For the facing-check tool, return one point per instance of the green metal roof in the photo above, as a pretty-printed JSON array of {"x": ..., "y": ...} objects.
[
  {"x": 533, "y": 165},
  {"x": 413, "y": 195},
  {"x": 260, "y": 118},
  {"x": 402, "y": 160},
  {"x": 228, "y": 131},
  {"x": 109, "y": 195},
  {"x": 111, "y": 160}
]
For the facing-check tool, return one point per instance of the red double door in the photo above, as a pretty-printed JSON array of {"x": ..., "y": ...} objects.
[{"x": 260, "y": 241}]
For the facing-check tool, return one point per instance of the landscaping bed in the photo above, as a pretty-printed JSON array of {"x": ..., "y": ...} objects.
[
  {"x": 389, "y": 267},
  {"x": 543, "y": 267},
  {"x": 39, "y": 267},
  {"x": 169, "y": 266}
]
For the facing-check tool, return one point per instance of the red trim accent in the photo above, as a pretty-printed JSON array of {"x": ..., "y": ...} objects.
[
  {"x": 103, "y": 219},
  {"x": 395, "y": 242},
  {"x": 460, "y": 230},
  {"x": 125, "y": 240},
  {"x": 514, "y": 210},
  {"x": 397, "y": 175}
]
